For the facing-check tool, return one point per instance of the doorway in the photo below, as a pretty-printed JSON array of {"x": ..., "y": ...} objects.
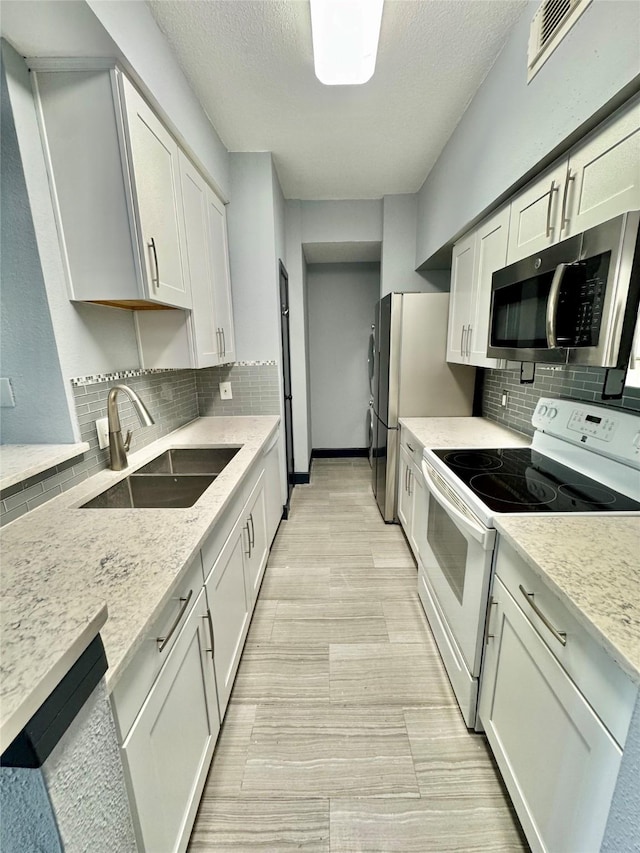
[{"x": 286, "y": 384}]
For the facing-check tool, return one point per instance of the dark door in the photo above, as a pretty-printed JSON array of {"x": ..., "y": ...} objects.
[{"x": 286, "y": 382}]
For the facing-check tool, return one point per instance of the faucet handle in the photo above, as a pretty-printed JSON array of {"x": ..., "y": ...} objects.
[{"x": 127, "y": 441}]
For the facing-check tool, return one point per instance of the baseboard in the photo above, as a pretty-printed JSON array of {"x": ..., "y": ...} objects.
[
  {"x": 299, "y": 479},
  {"x": 339, "y": 452}
]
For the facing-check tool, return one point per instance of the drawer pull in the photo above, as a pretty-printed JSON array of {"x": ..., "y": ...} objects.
[
  {"x": 410, "y": 448},
  {"x": 162, "y": 641},
  {"x": 560, "y": 636}
]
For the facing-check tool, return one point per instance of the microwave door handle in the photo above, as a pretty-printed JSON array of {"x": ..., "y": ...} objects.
[
  {"x": 552, "y": 305},
  {"x": 477, "y": 531}
]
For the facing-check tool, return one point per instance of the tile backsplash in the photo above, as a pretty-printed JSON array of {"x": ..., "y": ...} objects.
[
  {"x": 577, "y": 383},
  {"x": 173, "y": 397}
]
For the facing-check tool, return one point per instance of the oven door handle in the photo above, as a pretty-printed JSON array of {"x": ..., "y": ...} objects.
[{"x": 481, "y": 534}]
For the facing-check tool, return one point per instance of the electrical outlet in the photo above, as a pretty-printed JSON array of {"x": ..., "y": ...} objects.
[
  {"x": 102, "y": 429},
  {"x": 225, "y": 391},
  {"x": 504, "y": 399}
]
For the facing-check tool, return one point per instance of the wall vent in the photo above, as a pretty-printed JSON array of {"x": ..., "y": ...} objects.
[{"x": 549, "y": 26}]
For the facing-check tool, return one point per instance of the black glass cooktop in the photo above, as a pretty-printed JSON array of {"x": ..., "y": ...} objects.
[{"x": 519, "y": 479}]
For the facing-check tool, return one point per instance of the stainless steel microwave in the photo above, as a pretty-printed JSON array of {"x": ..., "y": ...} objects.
[{"x": 573, "y": 303}]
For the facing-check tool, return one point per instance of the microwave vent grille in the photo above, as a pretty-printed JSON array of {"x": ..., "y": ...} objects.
[{"x": 550, "y": 24}]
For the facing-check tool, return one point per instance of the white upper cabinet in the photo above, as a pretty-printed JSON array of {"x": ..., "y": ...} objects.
[
  {"x": 219, "y": 248},
  {"x": 113, "y": 173},
  {"x": 475, "y": 258},
  {"x": 536, "y": 214},
  {"x": 462, "y": 266},
  {"x": 598, "y": 180},
  {"x": 157, "y": 199},
  {"x": 604, "y": 173},
  {"x": 204, "y": 336}
]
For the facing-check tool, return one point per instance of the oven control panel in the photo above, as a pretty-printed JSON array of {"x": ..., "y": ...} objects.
[{"x": 610, "y": 432}]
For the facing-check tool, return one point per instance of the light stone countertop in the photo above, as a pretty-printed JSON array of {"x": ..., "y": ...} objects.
[
  {"x": 463, "y": 432},
  {"x": 593, "y": 564},
  {"x": 20, "y": 461},
  {"x": 62, "y": 564}
]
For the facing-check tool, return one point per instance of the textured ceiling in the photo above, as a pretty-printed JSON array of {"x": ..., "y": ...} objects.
[{"x": 251, "y": 65}]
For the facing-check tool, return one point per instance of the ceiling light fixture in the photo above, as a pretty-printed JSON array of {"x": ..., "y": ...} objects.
[{"x": 345, "y": 40}]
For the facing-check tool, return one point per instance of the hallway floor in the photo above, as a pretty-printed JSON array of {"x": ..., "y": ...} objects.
[{"x": 343, "y": 733}]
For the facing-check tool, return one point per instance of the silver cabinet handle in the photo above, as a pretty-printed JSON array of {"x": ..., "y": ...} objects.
[
  {"x": 208, "y": 619},
  {"x": 406, "y": 479},
  {"x": 162, "y": 641},
  {"x": 553, "y": 189},
  {"x": 253, "y": 531},
  {"x": 152, "y": 245},
  {"x": 552, "y": 305},
  {"x": 487, "y": 628},
  {"x": 246, "y": 527},
  {"x": 462, "y": 340},
  {"x": 564, "y": 221},
  {"x": 560, "y": 636},
  {"x": 469, "y": 330},
  {"x": 224, "y": 343},
  {"x": 410, "y": 448},
  {"x": 410, "y": 479},
  {"x": 219, "y": 343}
]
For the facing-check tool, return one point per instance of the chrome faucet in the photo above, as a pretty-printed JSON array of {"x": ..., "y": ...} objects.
[{"x": 117, "y": 447}]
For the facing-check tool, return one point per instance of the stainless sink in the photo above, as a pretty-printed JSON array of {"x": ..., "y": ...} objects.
[
  {"x": 190, "y": 460},
  {"x": 152, "y": 491}
]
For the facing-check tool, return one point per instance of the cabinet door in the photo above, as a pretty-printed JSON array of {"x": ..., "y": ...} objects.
[
  {"x": 219, "y": 248},
  {"x": 491, "y": 255},
  {"x": 155, "y": 178},
  {"x": 535, "y": 215},
  {"x": 256, "y": 558},
  {"x": 227, "y": 599},
  {"x": 462, "y": 269},
  {"x": 558, "y": 761},
  {"x": 605, "y": 173},
  {"x": 168, "y": 750},
  {"x": 205, "y": 336},
  {"x": 418, "y": 528},
  {"x": 404, "y": 498},
  {"x": 273, "y": 486}
]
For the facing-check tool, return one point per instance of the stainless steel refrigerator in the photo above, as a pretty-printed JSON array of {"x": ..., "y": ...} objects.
[{"x": 410, "y": 379}]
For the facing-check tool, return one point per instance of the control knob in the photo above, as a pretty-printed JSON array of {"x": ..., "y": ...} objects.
[
  {"x": 552, "y": 413},
  {"x": 542, "y": 410}
]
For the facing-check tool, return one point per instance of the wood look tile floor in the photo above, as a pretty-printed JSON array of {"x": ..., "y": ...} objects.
[{"x": 343, "y": 733}]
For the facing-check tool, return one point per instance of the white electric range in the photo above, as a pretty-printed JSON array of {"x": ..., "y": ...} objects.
[{"x": 583, "y": 459}]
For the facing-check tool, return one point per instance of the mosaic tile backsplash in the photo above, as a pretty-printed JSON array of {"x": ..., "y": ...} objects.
[
  {"x": 173, "y": 397},
  {"x": 577, "y": 383}
]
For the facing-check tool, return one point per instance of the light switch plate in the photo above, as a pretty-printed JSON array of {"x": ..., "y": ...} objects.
[
  {"x": 102, "y": 429},
  {"x": 225, "y": 391},
  {"x": 7, "y": 400}
]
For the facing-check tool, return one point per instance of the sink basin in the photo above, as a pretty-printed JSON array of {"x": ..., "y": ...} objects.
[
  {"x": 152, "y": 491},
  {"x": 190, "y": 460}
]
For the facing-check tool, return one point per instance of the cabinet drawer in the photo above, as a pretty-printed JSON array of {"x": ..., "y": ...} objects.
[
  {"x": 604, "y": 685},
  {"x": 413, "y": 448},
  {"x": 132, "y": 689}
]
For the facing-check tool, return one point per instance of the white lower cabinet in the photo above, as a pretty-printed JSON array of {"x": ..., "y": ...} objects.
[
  {"x": 230, "y": 613},
  {"x": 557, "y": 757},
  {"x": 258, "y": 550},
  {"x": 412, "y": 506},
  {"x": 169, "y": 748},
  {"x": 405, "y": 506}
]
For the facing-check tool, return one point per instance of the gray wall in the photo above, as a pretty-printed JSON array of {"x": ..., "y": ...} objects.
[
  {"x": 28, "y": 824},
  {"x": 623, "y": 827},
  {"x": 509, "y": 126},
  {"x": 577, "y": 383},
  {"x": 342, "y": 298},
  {"x": 400, "y": 213},
  {"x": 28, "y": 354},
  {"x": 252, "y": 254}
]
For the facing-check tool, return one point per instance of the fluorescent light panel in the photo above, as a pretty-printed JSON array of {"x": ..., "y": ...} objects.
[{"x": 345, "y": 40}]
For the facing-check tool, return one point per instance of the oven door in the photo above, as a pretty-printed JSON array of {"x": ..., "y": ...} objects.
[{"x": 456, "y": 555}]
